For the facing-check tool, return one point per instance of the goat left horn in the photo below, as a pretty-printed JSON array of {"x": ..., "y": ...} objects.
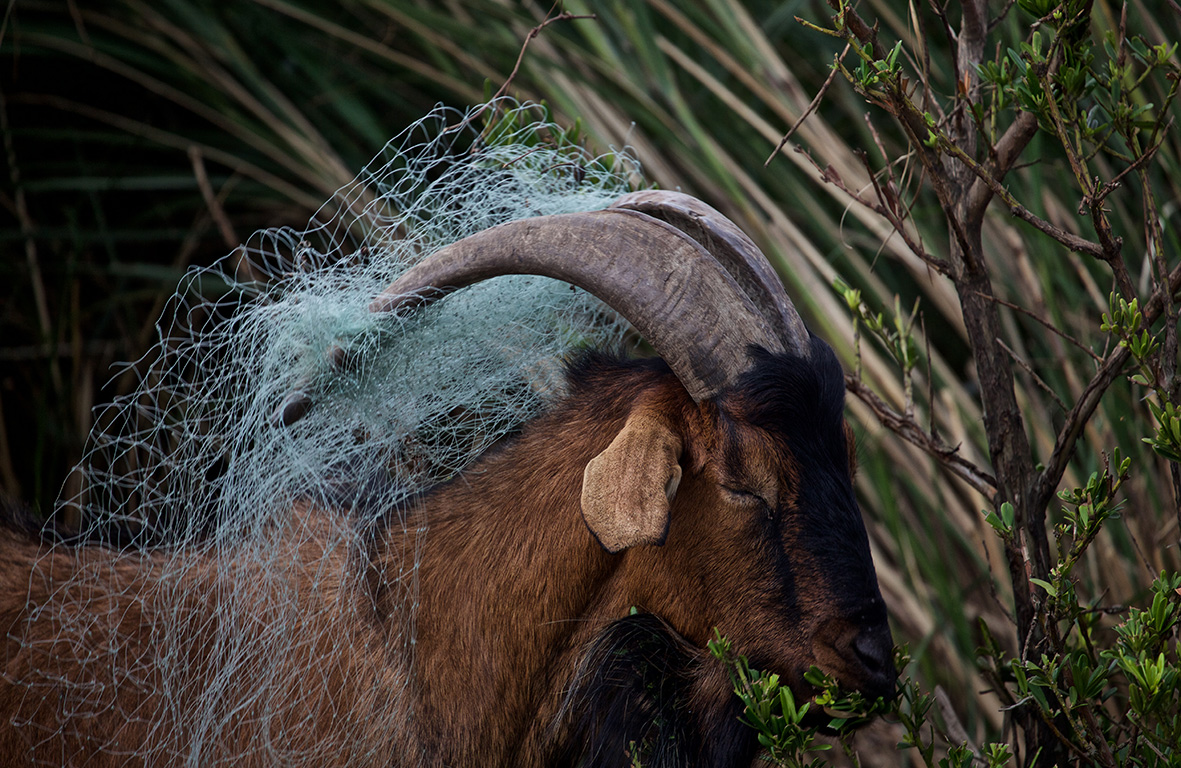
[{"x": 665, "y": 283}]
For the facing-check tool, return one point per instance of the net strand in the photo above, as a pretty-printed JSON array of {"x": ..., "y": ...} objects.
[{"x": 215, "y": 546}]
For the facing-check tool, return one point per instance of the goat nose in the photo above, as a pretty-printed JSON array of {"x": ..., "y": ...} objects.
[{"x": 875, "y": 650}]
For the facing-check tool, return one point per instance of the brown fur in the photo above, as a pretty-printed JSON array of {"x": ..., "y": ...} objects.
[
  {"x": 512, "y": 589},
  {"x": 111, "y": 709}
]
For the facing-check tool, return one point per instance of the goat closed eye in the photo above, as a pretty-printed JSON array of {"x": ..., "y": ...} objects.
[{"x": 749, "y": 497}]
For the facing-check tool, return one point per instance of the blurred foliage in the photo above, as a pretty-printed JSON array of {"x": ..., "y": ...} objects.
[{"x": 140, "y": 138}]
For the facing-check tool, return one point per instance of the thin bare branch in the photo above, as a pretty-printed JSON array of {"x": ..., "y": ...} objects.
[
  {"x": 949, "y": 35},
  {"x": 910, "y": 430},
  {"x": 1025, "y": 366},
  {"x": 883, "y": 207},
  {"x": 1001, "y": 16},
  {"x": 811, "y": 108},
  {"x": 563, "y": 16},
  {"x": 1048, "y": 326},
  {"x": 1134, "y": 166}
]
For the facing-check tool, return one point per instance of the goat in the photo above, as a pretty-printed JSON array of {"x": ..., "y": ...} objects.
[{"x": 572, "y": 576}]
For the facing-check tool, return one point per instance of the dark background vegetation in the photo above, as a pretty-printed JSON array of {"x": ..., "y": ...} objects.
[{"x": 144, "y": 137}]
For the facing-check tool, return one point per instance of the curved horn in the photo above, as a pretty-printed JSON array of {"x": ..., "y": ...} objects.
[
  {"x": 670, "y": 288},
  {"x": 734, "y": 251}
]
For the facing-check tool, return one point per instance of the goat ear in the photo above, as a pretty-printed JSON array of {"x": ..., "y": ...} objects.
[{"x": 627, "y": 488}]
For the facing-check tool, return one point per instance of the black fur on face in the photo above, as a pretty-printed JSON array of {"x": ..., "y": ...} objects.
[
  {"x": 638, "y": 695},
  {"x": 802, "y": 401}
]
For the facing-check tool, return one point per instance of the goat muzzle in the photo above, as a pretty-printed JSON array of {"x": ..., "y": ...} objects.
[{"x": 861, "y": 657}]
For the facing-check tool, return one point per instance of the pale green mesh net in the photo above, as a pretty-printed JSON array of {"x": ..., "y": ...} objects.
[{"x": 192, "y": 465}]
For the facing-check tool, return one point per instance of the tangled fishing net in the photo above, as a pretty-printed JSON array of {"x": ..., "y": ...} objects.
[{"x": 193, "y": 468}]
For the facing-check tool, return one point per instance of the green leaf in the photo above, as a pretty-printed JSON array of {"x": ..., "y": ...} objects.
[{"x": 1050, "y": 588}]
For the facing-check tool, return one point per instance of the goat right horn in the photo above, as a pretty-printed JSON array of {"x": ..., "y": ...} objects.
[
  {"x": 733, "y": 250},
  {"x": 692, "y": 312}
]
